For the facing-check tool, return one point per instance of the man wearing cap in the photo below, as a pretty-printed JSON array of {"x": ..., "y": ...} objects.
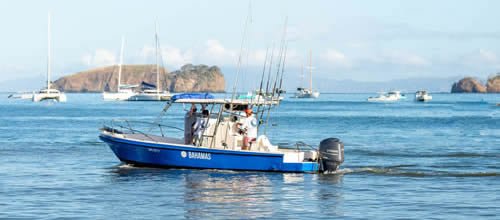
[{"x": 250, "y": 128}]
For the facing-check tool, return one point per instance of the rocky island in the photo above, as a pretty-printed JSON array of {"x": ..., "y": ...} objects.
[
  {"x": 473, "y": 85},
  {"x": 190, "y": 78}
]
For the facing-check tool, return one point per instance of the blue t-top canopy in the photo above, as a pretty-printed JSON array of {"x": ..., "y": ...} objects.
[
  {"x": 192, "y": 96},
  {"x": 146, "y": 85}
]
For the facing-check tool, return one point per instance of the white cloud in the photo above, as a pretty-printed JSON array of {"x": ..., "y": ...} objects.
[
  {"x": 214, "y": 52},
  {"x": 488, "y": 56},
  {"x": 481, "y": 59},
  {"x": 172, "y": 57},
  {"x": 101, "y": 57},
  {"x": 336, "y": 58}
]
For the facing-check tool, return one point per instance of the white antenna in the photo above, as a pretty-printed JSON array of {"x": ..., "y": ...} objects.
[
  {"x": 121, "y": 63},
  {"x": 157, "y": 61},
  {"x": 48, "y": 52}
]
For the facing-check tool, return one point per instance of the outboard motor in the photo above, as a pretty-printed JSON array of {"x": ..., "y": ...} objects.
[{"x": 331, "y": 154}]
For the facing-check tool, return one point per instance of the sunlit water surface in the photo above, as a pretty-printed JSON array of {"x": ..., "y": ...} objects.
[{"x": 403, "y": 160}]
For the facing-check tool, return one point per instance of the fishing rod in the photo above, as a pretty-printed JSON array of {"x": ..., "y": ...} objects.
[
  {"x": 282, "y": 44},
  {"x": 241, "y": 50},
  {"x": 268, "y": 79},
  {"x": 269, "y": 73},
  {"x": 282, "y": 71},
  {"x": 282, "y": 51},
  {"x": 261, "y": 84}
]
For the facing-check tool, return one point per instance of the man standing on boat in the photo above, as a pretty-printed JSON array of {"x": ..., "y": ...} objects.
[
  {"x": 200, "y": 126},
  {"x": 250, "y": 129},
  {"x": 189, "y": 121}
]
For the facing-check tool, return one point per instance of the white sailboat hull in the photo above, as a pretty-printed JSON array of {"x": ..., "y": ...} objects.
[
  {"x": 307, "y": 94},
  {"x": 117, "y": 96},
  {"x": 60, "y": 97},
  {"x": 150, "y": 97}
]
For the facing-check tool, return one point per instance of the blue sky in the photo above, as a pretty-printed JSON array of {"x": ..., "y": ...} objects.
[{"x": 358, "y": 40}]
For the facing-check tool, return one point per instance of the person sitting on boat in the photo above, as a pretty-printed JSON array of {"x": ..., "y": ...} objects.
[
  {"x": 249, "y": 129},
  {"x": 200, "y": 126},
  {"x": 189, "y": 120}
]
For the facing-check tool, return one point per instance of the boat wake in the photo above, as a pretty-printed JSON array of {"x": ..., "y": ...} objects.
[
  {"x": 400, "y": 171},
  {"x": 423, "y": 155}
]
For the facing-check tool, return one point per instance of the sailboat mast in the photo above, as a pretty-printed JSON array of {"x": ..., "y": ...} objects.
[
  {"x": 157, "y": 62},
  {"x": 310, "y": 71},
  {"x": 302, "y": 76},
  {"x": 121, "y": 63},
  {"x": 48, "y": 52}
]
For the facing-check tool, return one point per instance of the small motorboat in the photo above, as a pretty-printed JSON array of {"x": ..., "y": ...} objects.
[
  {"x": 422, "y": 96},
  {"x": 220, "y": 144},
  {"x": 391, "y": 96}
]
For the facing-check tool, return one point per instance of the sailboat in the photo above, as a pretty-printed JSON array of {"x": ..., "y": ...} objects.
[
  {"x": 48, "y": 93},
  {"x": 124, "y": 92},
  {"x": 153, "y": 92},
  {"x": 305, "y": 92}
]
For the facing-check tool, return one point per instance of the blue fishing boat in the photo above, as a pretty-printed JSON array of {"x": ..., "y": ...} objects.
[{"x": 218, "y": 137}]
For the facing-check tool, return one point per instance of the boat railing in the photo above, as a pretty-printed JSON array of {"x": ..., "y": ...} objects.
[
  {"x": 301, "y": 145},
  {"x": 138, "y": 127}
]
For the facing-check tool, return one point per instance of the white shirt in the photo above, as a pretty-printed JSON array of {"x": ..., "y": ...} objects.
[
  {"x": 251, "y": 126},
  {"x": 200, "y": 126}
]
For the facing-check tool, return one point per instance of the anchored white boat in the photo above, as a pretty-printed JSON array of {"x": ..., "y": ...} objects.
[
  {"x": 153, "y": 92},
  {"x": 391, "y": 96},
  {"x": 307, "y": 92},
  {"x": 48, "y": 93},
  {"x": 422, "y": 96},
  {"x": 124, "y": 92}
]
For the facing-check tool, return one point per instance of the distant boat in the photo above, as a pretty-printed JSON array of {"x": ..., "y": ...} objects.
[
  {"x": 391, "y": 96},
  {"x": 153, "y": 92},
  {"x": 422, "y": 96},
  {"x": 307, "y": 92},
  {"x": 124, "y": 92},
  {"x": 48, "y": 93}
]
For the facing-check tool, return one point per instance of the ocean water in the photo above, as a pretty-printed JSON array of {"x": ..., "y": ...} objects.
[{"x": 436, "y": 160}]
